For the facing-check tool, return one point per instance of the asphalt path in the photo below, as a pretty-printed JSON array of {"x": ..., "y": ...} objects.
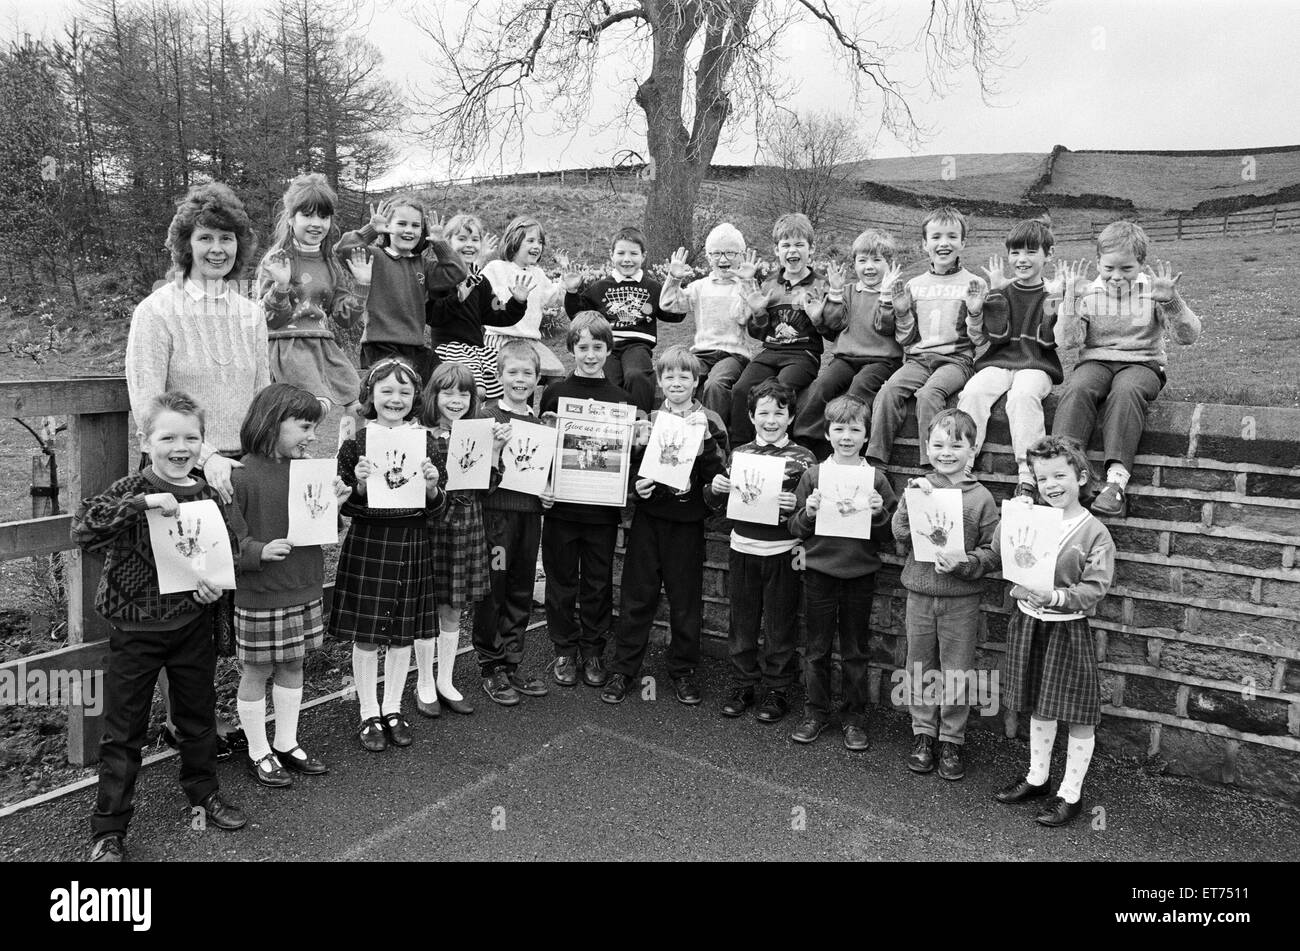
[{"x": 568, "y": 777}]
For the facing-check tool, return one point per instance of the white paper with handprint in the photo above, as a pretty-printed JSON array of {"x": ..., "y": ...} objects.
[
  {"x": 190, "y": 545},
  {"x": 396, "y": 480},
  {"x": 313, "y": 506},
  {"x": 670, "y": 453},
  {"x": 469, "y": 454},
  {"x": 526, "y": 458},
  {"x": 1031, "y": 537},
  {"x": 936, "y": 522},
  {"x": 756, "y": 488},
  {"x": 845, "y": 509}
]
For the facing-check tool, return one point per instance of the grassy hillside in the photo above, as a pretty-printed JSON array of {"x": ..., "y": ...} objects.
[{"x": 1004, "y": 176}]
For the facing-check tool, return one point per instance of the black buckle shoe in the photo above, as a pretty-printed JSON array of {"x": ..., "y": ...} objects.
[
  {"x": 687, "y": 690},
  {"x": 1058, "y": 812},
  {"x": 922, "y": 758},
  {"x": 1021, "y": 790},
  {"x": 741, "y": 699},
  {"x": 615, "y": 689},
  {"x": 397, "y": 728},
  {"x": 372, "y": 736},
  {"x": 222, "y": 814},
  {"x": 773, "y": 708},
  {"x": 269, "y": 772}
]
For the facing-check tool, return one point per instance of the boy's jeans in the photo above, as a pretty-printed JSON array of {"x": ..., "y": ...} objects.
[
  {"x": 941, "y": 636},
  {"x": 837, "y": 604},
  {"x": 763, "y": 588}
]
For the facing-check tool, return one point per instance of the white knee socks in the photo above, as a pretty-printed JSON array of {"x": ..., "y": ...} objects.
[
  {"x": 447, "y": 641},
  {"x": 426, "y": 649},
  {"x": 397, "y": 662},
  {"x": 252, "y": 717},
  {"x": 1042, "y": 734},
  {"x": 286, "y": 701},
  {"x": 365, "y": 676},
  {"x": 1076, "y": 767}
]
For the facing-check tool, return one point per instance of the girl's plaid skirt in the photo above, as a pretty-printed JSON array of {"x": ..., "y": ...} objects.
[
  {"x": 277, "y": 635},
  {"x": 460, "y": 552},
  {"x": 481, "y": 361},
  {"x": 383, "y": 592},
  {"x": 1051, "y": 669}
]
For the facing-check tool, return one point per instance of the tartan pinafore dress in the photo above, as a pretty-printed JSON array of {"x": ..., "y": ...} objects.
[{"x": 460, "y": 549}]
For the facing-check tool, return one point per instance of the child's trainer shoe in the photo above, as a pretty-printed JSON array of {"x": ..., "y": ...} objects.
[{"x": 1110, "y": 501}]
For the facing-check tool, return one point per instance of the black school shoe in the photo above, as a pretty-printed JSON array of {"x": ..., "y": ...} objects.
[
  {"x": 527, "y": 685},
  {"x": 741, "y": 699},
  {"x": 107, "y": 849},
  {"x": 922, "y": 758},
  {"x": 808, "y": 730},
  {"x": 773, "y": 708},
  {"x": 497, "y": 686},
  {"x": 687, "y": 690},
  {"x": 372, "y": 736},
  {"x": 951, "y": 766},
  {"x": 397, "y": 729},
  {"x": 308, "y": 765},
  {"x": 593, "y": 672},
  {"x": 1021, "y": 790},
  {"x": 222, "y": 814},
  {"x": 615, "y": 689},
  {"x": 565, "y": 671},
  {"x": 268, "y": 771},
  {"x": 1059, "y": 812}
]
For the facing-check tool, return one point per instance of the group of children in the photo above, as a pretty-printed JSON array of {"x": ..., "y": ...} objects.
[{"x": 405, "y": 576}]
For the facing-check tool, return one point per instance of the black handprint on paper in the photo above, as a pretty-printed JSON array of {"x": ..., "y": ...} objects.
[
  {"x": 751, "y": 486},
  {"x": 1022, "y": 547},
  {"x": 186, "y": 538},
  {"x": 938, "y": 531},
  {"x": 394, "y": 474},
  {"x": 670, "y": 447},
  {"x": 314, "y": 497},
  {"x": 522, "y": 454},
  {"x": 466, "y": 456}
]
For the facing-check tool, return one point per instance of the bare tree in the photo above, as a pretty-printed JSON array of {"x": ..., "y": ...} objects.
[
  {"x": 706, "y": 65},
  {"x": 808, "y": 158}
]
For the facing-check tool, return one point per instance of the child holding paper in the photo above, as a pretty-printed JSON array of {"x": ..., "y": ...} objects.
[
  {"x": 460, "y": 551},
  {"x": 153, "y": 631},
  {"x": 943, "y": 599},
  {"x": 578, "y": 539},
  {"x": 279, "y": 611},
  {"x": 839, "y": 579},
  {"x": 383, "y": 590},
  {"x": 512, "y": 521},
  {"x": 1051, "y": 660},
  {"x": 665, "y": 545},
  {"x": 764, "y": 587}
]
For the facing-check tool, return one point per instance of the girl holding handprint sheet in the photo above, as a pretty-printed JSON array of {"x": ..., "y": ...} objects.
[
  {"x": 410, "y": 262},
  {"x": 383, "y": 592},
  {"x": 279, "y": 607},
  {"x": 460, "y": 552},
  {"x": 303, "y": 287}
]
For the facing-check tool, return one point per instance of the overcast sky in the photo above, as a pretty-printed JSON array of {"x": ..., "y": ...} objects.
[{"x": 1099, "y": 74}]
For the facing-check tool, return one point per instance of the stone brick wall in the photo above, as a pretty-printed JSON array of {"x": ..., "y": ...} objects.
[{"x": 1199, "y": 639}]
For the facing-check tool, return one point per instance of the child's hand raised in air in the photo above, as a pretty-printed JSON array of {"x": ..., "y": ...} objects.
[
  {"x": 893, "y": 289},
  {"x": 997, "y": 273},
  {"x": 678, "y": 269},
  {"x": 836, "y": 275},
  {"x": 488, "y": 246},
  {"x": 1067, "y": 275},
  {"x": 380, "y": 215},
  {"x": 521, "y": 286},
  {"x": 278, "y": 269},
  {"x": 976, "y": 293},
  {"x": 359, "y": 264},
  {"x": 1163, "y": 282},
  {"x": 748, "y": 266},
  {"x": 433, "y": 226}
]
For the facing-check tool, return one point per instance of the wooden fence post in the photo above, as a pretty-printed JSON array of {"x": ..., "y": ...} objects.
[{"x": 97, "y": 451}]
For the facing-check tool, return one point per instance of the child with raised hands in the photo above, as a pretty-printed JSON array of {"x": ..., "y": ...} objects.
[
  {"x": 1050, "y": 667},
  {"x": 384, "y": 589},
  {"x": 279, "y": 606},
  {"x": 460, "y": 552},
  {"x": 303, "y": 288},
  {"x": 410, "y": 262},
  {"x": 522, "y": 245},
  {"x": 457, "y": 320},
  {"x": 1119, "y": 322},
  {"x": 866, "y": 350},
  {"x": 1018, "y": 315},
  {"x": 714, "y": 303},
  {"x": 629, "y": 299},
  {"x": 943, "y": 598}
]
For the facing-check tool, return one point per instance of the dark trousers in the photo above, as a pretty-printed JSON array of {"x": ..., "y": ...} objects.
[
  {"x": 795, "y": 368},
  {"x": 858, "y": 376},
  {"x": 134, "y": 659},
  {"x": 721, "y": 371},
  {"x": 631, "y": 366},
  {"x": 578, "y": 559},
  {"x": 1122, "y": 391},
  {"x": 501, "y": 618},
  {"x": 932, "y": 379},
  {"x": 422, "y": 359},
  {"x": 764, "y": 592},
  {"x": 671, "y": 554},
  {"x": 834, "y": 605}
]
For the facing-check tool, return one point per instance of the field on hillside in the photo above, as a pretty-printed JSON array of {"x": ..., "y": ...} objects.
[
  {"x": 1002, "y": 176},
  {"x": 1165, "y": 183}
]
